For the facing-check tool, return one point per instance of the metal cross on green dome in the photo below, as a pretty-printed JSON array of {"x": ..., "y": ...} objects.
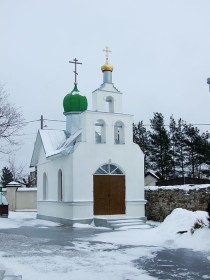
[{"x": 75, "y": 61}]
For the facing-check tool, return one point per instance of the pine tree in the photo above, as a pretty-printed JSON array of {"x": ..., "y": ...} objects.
[
  {"x": 191, "y": 137},
  {"x": 160, "y": 147},
  {"x": 190, "y": 149},
  {"x": 208, "y": 210},
  {"x": 6, "y": 177},
  {"x": 173, "y": 143},
  {"x": 180, "y": 152},
  {"x": 197, "y": 148},
  {"x": 180, "y": 147},
  {"x": 141, "y": 138},
  {"x": 203, "y": 154}
]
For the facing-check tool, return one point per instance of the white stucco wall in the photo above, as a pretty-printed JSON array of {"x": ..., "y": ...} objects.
[
  {"x": 51, "y": 167},
  {"x": 78, "y": 170},
  {"x": 150, "y": 180},
  {"x": 89, "y": 118},
  {"x": 79, "y": 167},
  {"x": 99, "y": 99},
  {"x": 117, "y": 155}
]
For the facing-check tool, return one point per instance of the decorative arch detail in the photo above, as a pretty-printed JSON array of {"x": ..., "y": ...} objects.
[{"x": 109, "y": 169}]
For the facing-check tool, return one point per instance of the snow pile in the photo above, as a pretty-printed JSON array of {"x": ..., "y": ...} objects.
[
  {"x": 182, "y": 220},
  {"x": 166, "y": 234}
]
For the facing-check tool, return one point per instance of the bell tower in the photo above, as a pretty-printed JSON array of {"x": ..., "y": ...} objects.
[{"x": 107, "y": 98}]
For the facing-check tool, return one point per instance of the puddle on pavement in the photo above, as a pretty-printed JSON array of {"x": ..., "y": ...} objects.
[{"x": 180, "y": 264}]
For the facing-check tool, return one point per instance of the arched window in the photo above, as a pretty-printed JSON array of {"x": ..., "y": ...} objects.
[
  {"x": 45, "y": 185},
  {"x": 109, "y": 169},
  {"x": 119, "y": 137},
  {"x": 60, "y": 186},
  {"x": 100, "y": 131},
  {"x": 110, "y": 104}
]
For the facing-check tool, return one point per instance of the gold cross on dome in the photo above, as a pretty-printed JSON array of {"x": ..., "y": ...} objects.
[{"x": 107, "y": 50}]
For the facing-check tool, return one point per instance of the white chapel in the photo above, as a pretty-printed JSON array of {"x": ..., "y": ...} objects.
[{"x": 92, "y": 169}]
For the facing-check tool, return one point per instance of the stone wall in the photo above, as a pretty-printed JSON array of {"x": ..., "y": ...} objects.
[
  {"x": 182, "y": 181},
  {"x": 161, "y": 201}
]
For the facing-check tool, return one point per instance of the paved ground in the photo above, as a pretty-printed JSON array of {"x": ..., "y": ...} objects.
[
  {"x": 58, "y": 235},
  {"x": 166, "y": 264},
  {"x": 177, "y": 264}
]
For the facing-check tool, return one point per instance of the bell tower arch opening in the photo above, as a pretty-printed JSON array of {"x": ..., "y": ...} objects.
[
  {"x": 100, "y": 131},
  {"x": 119, "y": 133},
  {"x": 110, "y": 104}
]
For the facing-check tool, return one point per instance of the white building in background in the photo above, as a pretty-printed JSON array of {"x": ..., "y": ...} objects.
[
  {"x": 93, "y": 168},
  {"x": 150, "y": 179}
]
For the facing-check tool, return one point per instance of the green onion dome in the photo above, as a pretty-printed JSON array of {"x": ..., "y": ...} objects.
[{"x": 73, "y": 101}]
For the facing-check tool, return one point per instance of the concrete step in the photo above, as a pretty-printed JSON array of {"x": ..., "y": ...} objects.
[
  {"x": 118, "y": 222},
  {"x": 126, "y": 224},
  {"x": 2, "y": 272},
  {"x": 9, "y": 277},
  {"x": 124, "y": 221},
  {"x": 118, "y": 225},
  {"x": 12, "y": 277}
]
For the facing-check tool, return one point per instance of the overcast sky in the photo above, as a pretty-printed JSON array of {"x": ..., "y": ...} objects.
[{"x": 160, "y": 53}]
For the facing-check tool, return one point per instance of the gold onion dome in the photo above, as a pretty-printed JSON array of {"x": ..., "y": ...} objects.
[{"x": 106, "y": 67}]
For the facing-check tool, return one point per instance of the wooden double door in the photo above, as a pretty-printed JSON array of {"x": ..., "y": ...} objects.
[{"x": 109, "y": 194}]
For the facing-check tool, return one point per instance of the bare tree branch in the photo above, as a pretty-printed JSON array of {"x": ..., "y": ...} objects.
[
  {"x": 11, "y": 122},
  {"x": 17, "y": 171}
]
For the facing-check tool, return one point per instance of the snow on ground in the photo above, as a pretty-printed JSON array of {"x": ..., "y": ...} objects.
[
  {"x": 19, "y": 219},
  {"x": 108, "y": 255},
  {"x": 165, "y": 235}
]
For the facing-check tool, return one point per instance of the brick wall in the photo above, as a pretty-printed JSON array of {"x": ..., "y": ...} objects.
[{"x": 162, "y": 201}]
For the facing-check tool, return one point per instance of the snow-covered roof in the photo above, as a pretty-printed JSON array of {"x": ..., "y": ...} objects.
[
  {"x": 52, "y": 139},
  {"x": 13, "y": 183},
  {"x": 27, "y": 189},
  {"x": 68, "y": 145},
  {"x": 54, "y": 142},
  {"x": 150, "y": 172},
  {"x": 108, "y": 87}
]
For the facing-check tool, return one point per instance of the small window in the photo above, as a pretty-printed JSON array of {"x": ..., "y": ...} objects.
[
  {"x": 119, "y": 133},
  {"x": 60, "y": 186},
  {"x": 100, "y": 132},
  {"x": 110, "y": 104},
  {"x": 44, "y": 186}
]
